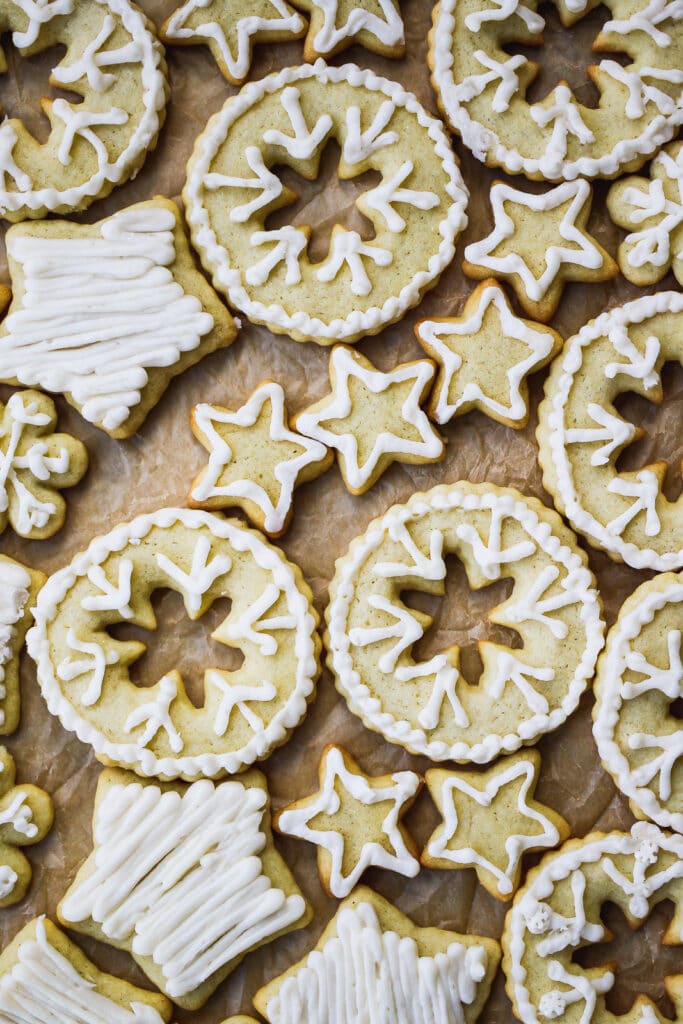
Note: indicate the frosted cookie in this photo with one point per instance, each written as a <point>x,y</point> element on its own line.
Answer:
<point>652,212</point>
<point>417,209</point>
<point>581,433</point>
<point>335,24</point>
<point>185,878</point>
<point>482,90</point>
<point>114,61</point>
<point>255,460</point>
<point>539,243</point>
<point>230,28</point>
<point>19,588</point>
<point>35,464</point>
<point>639,679</point>
<point>355,821</point>
<point>45,977</point>
<point>484,357</point>
<point>84,672</point>
<point>108,313</point>
<point>372,419</point>
<point>373,963</point>
<point>490,820</point>
<point>427,706</point>
<point>26,817</point>
<point>558,911</point>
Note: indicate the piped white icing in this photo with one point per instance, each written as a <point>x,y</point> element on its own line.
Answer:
<point>14,583</point>
<point>387,28</point>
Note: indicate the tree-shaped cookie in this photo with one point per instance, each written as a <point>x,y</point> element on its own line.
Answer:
<point>539,242</point>
<point>484,357</point>
<point>35,463</point>
<point>26,817</point>
<point>652,212</point>
<point>355,821</point>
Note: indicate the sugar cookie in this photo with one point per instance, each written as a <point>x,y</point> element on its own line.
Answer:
<point>255,460</point>
<point>581,433</point>
<point>230,28</point>
<point>652,211</point>
<point>26,816</point>
<point>427,706</point>
<point>490,820</point>
<point>558,910</point>
<point>114,61</point>
<point>484,357</point>
<point>185,878</point>
<point>372,962</point>
<point>417,210</point>
<point>482,89</point>
<point>640,676</point>
<point>540,244</point>
<point>19,588</point>
<point>372,419</point>
<point>44,977</point>
<point>35,464</point>
<point>355,821</point>
<point>84,672</point>
<point>108,313</point>
<point>335,24</point>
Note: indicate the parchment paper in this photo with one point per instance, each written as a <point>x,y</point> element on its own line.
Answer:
<point>154,469</point>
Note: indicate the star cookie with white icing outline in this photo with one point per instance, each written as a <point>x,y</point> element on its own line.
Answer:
<point>335,24</point>
<point>490,820</point>
<point>26,816</point>
<point>255,460</point>
<point>355,821</point>
<point>541,245</point>
<point>372,418</point>
<point>484,357</point>
<point>230,29</point>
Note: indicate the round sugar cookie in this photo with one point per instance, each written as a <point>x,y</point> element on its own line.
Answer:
<point>581,432</point>
<point>114,61</point>
<point>558,911</point>
<point>84,671</point>
<point>639,679</point>
<point>427,706</point>
<point>417,209</point>
<point>482,90</point>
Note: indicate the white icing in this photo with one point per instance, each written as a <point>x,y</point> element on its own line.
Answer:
<point>364,972</point>
<point>217,758</point>
<point>8,880</point>
<point>390,440</point>
<point>388,28</point>
<point>114,596</point>
<point>238,695</point>
<point>347,249</point>
<point>426,567</point>
<point>639,363</point>
<point>201,576</point>
<point>156,716</point>
<point>533,606</point>
<point>14,594</point>
<point>251,625</point>
<point>581,251</point>
<point>19,816</point>
<point>504,73</point>
<point>179,878</point>
<point>290,243</point>
<point>383,198</point>
<point>641,887</point>
<point>560,931</point>
<point>296,821</point>
<point>553,1003</point>
<point>143,52</point>
<point>445,843</point>
<point>648,21</point>
<point>97,312</point>
<point>614,431</point>
<point>501,11</point>
<point>490,554</point>
<point>267,184</point>
<point>639,92</point>
<point>305,142</point>
<point>565,117</point>
<point>43,987</point>
<point>652,244</point>
<point>452,505</point>
<point>358,143</point>
<point>245,29</point>
<point>286,472</point>
<point>539,342</point>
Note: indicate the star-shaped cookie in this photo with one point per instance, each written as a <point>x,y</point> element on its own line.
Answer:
<point>538,242</point>
<point>484,357</point>
<point>255,460</point>
<point>231,27</point>
<point>372,418</point>
<point>355,821</point>
<point>490,820</point>
<point>335,24</point>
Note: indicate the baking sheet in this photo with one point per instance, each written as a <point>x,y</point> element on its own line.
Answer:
<point>154,469</point>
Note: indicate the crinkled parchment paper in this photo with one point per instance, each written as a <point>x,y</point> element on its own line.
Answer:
<point>154,469</point>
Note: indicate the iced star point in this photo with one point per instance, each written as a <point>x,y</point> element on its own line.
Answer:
<point>375,24</point>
